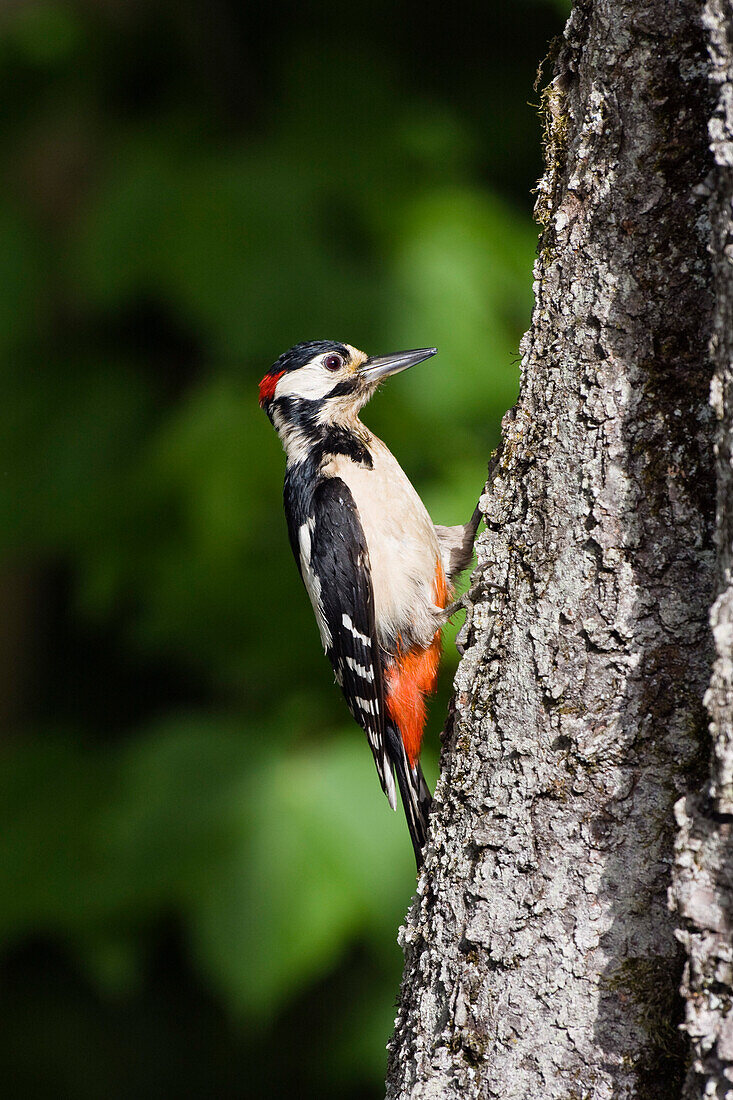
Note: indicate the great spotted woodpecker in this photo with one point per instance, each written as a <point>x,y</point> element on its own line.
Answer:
<point>376,568</point>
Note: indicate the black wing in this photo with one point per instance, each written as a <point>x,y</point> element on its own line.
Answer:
<point>334,564</point>
<point>331,552</point>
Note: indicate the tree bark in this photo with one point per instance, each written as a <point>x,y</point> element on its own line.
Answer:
<point>541,959</point>
<point>703,886</point>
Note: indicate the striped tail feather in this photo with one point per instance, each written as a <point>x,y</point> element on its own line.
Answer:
<point>416,798</point>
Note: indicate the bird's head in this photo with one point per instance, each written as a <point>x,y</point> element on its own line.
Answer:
<point>322,383</point>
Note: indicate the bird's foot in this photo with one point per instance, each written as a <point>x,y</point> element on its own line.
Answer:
<point>467,602</point>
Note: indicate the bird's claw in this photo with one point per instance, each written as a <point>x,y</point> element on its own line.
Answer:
<point>467,602</point>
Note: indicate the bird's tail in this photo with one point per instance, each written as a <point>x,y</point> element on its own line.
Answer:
<point>416,798</point>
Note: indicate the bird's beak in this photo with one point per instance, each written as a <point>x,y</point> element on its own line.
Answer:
<point>381,366</point>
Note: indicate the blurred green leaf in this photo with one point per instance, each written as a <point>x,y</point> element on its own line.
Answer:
<point>275,863</point>
<point>64,450</point>
<point>465,266</point>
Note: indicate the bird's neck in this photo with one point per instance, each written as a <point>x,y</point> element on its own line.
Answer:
<point>308,438</point>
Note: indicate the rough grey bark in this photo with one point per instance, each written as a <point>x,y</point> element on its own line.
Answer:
<point>703,888</point>
<point>541,959</point>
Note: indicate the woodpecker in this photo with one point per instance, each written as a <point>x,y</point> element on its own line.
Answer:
<point>377,570</point>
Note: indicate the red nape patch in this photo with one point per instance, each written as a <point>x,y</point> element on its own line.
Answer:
<point>267,387</point>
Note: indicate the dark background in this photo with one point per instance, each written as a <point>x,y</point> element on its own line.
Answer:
<point>200,880</point>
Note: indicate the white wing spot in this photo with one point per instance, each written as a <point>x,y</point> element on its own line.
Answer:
<point>360,670</point>
<point>346,619</point>
<point>304,540</point>
<point>311,581</point>
<point>389,781</point>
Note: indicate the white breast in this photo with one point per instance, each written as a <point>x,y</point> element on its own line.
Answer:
<point>403,546</point>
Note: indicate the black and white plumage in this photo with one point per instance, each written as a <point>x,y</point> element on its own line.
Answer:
<point>375,567</point>
<point>331,552</point>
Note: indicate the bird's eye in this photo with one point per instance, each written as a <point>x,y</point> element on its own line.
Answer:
<point>333,362</point>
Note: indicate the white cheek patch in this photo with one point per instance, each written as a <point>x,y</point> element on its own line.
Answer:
<point>312,382</point>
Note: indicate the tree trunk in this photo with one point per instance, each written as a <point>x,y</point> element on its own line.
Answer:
<point>541,959</point>
<point>703,888</point>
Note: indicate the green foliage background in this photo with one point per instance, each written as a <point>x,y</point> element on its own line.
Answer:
<point>200,880</point>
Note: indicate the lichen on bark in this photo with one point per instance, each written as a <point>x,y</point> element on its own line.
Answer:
<point>577,716</point>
